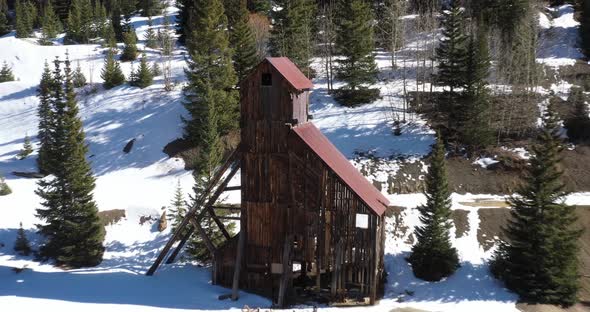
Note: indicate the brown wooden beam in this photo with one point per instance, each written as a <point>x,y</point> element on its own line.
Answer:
<point>204,236</point>
<point>287,270</point>
<point>183,241</point>
<point>233,188</point>
<point>181,227</point>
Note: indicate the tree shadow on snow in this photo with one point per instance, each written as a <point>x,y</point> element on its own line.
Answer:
<point>471,282</point>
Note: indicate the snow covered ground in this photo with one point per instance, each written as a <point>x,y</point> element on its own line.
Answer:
<point>143,181</point>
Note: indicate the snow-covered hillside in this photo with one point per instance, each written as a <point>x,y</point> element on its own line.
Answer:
<point>143,181</point>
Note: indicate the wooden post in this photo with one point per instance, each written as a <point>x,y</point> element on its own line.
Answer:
<point>336,268</point>
<point>287,270</point>
<point>238,263</point>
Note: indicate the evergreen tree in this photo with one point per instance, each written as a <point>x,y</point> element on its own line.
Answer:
<point>184,28</point>
<point>211,77</point>
<point>585,26</point>
<point>22,245</point>
<point>242,39</point>
<point>472,114</point>
<point>150,7</point>
<point>116,23</point>
<point>27,148</point>
<point>4,188</point>
<point>451,53</point>
<point>293,32</point>
<point>111,72</point>
<point>73,232</point>
<point>354,40</point>
<point>23,23</point>
<point>433,256</point>
<point>78,78</point>
<point>178,208</point>
<point>80,22</point>
<point>3,6</point>
<point>578,123</point>
<point>165,38</point>
<point>109,37</point>
<point>130,48</point>
<point>151,40</point>
<point>4,22</point>
<point>259,6</point>
<point>50,24</point>
<point>100,20</point>
<point>6,73</point>
<point>156,71</point>
<point>45,115</point>
<point>143,75</point>
<point>539,259</point>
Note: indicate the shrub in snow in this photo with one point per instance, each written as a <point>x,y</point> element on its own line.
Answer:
<point>130,49</point>
<point>22,245</point>
<point>4,188</point>
<point>111,72</point>
<point>6,73</point>
<point>144,75</point>
<point>433,256</point>
<point>78,78</point>
<point>27,148</point>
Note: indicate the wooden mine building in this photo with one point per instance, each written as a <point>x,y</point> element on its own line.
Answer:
<point>311,226</point>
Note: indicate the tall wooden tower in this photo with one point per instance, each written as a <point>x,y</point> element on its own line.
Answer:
<point>310,223</point>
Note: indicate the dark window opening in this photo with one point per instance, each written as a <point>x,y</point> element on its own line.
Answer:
<point>266,79</point>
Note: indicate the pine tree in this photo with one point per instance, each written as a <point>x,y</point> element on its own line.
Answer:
<point>45,115</point>
<point>143,75</point>
<point>184,28</point>
<point>4,188</point>
<point>27,148</point>
<point>156,71</point>
<point>4,23</point>
<point>78,78</point>
<point>80,22</point>
<point>109,37</point>
<point>211,77</point>
<point>578,123</point>
<point>130,49</point>
<point>23,23</point>
<point>150,7</point>
<point>293,32</point>
<point>539,259</point>
<point>472,114</point>
<point>73,232</point>
<point>178,208</point>
<point>451,53</point>
<point>433,256</point>
<point>100,21</point>
<point>151,41</point>
<point>22,245</point>
<point>50,24</point>
<point>242,39</point>
<point>355,43</point>
<point>111,72</point>
<point>585,27</point>
<point>116,23</point>
<point>6,73</point>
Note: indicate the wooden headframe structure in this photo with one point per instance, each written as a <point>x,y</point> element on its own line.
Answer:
<point>310,224</point>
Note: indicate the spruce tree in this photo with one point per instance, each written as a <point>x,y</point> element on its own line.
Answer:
<point>6,73</point>
<point>45,116</point>
<point>539,259</point>
<point>109,37</point>
<point>473,112</point>
<point>111,72</point>
<point>293,32</point>
<point>4,23</point>
<point>150,7</point>
<point>130,48</point>
<point>23,22</point>
<point>433,256</point>
<point>156,70</point>
<point>585,27</point>
<point>210,74</point>
<point>354,41</point>
<point>22,245</point>
<point>178,208</point>
<point>184,27</point>
<point>78,78</point>
<point>100,20</point>
<point>73,232</point>
<point>578,123</point>
<point>151,40</point>
<point>116,23</point>
<point>144,74</point>
<point>50,24</point>
<point>451,53</point>
<point>80,22</point>
<point>4,188</point>
<point>27,148</point>
<point>242,39</point>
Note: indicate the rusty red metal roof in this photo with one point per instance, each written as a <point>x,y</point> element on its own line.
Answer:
<point>290,72</point>
<point>320,144</point>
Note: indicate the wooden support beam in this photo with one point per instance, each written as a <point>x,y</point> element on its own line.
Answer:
<point>204,236</point>
<point>227,207</point>
<point>229,218</point>
<point>210,203</point>
<point>183,241</point>
<point>231,161</point>
<point>287,271</point>
<point>238,263</point>
<point>233,188</point>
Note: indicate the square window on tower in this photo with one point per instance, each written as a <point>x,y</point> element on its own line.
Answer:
<point>266,79</point>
